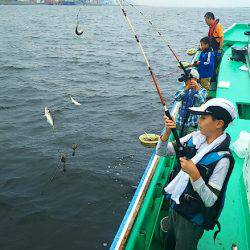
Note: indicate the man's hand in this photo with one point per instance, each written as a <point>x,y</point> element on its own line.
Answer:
<point>194,85</point>
<point>196,63</point>
<point>169,125</point>
<point>190,168</point>
<point>187,85</point>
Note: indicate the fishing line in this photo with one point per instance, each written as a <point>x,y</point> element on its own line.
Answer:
<point>57,168</point>
<point>61,163</point>
<point>61,156</point>
<point>161,36</point>
<point>167,74</point>
<point>59,151</point>
<point>167,113</point>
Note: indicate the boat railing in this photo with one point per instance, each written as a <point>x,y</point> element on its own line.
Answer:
<point>248,54</point>
<point>246,175</point>
<point>134,207</point>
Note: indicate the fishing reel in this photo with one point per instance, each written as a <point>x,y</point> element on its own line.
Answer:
<point>183,78</point>
<point>186,76</point>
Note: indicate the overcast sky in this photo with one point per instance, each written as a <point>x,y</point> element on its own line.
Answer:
<point>197,3</point>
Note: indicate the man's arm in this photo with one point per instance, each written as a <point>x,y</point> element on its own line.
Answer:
<point>164,148</point>
<point>179,95</point>
<point>220,34</point>
<point>221,40</point>
<point>209,193</point>
<point>201,97</point>
<point>207,62</point>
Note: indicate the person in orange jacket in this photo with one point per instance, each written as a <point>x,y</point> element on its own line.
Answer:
<point>216,37</point>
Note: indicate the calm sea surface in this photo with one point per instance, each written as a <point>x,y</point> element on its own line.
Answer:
<point>42,62</point>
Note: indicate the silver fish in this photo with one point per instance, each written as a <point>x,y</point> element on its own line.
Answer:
<point>49,117</point>
<point>74,101</point>
<point>78,31</point>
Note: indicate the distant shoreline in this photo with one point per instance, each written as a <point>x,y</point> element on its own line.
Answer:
<point>24,3</point>
<point>80,4</point>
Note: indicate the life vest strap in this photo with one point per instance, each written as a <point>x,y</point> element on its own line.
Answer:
<point>216,232</point>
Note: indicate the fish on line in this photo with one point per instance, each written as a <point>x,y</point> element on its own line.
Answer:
<point>48,115</point>
<point>74,147</point>
<point>78,31</point>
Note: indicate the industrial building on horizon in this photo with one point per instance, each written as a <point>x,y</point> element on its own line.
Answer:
<point>61,2</point>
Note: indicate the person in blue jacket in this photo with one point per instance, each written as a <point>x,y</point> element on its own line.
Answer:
<point>192,95</point>
<point>205,65</point>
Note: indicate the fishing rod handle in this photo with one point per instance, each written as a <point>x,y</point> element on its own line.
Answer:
<point>183,68</point>
<point>180,152</point>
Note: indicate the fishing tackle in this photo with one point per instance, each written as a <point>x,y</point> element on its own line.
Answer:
<point>167,113</point>
<point>74,147</point>
<point>63,159</point>
<point>78,31</point>
<point>50,120</point>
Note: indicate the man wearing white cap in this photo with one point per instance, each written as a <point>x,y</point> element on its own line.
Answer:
<point>193,95</point>
<point>197,185</point>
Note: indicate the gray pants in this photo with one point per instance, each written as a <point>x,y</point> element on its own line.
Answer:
<point>182,234</point>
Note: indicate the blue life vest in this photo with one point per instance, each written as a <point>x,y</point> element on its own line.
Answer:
<point>191,205</point>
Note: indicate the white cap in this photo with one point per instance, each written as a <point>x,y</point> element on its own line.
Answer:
<point>195,73</point>
<point>219,108</point>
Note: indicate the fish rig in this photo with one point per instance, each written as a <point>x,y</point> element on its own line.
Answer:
<point>61,165</point>
<point>78,30</point>
<point>62,157</point>
<point>181,64</point>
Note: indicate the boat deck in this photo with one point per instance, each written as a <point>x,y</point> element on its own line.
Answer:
<point>232,35</point>
<point>235,217</point>
<point>234,220</point>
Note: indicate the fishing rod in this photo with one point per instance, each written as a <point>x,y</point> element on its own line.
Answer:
<point>186,117</point>
<point>162,38</point>
<point>167,113</point>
